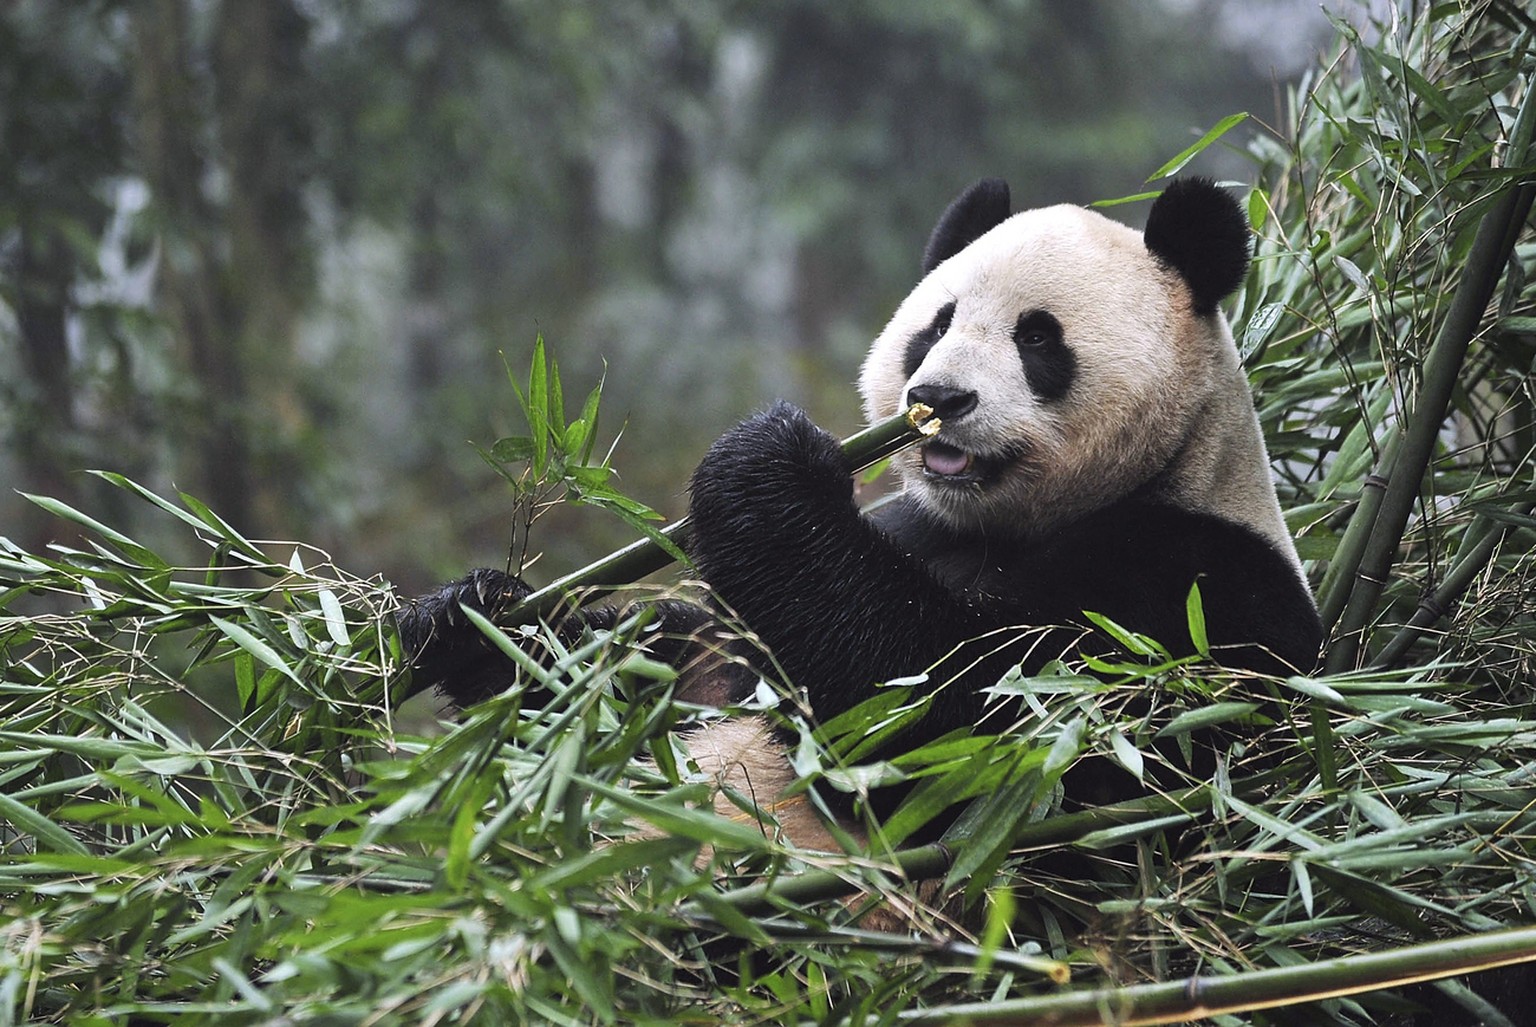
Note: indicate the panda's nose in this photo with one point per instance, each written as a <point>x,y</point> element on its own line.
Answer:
<point>948,404</point>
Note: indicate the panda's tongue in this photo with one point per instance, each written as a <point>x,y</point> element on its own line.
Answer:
<point>945,459</point>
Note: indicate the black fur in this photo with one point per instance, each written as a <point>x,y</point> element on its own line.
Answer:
<point>922,342</point>
<point>453,655</point>
<point>845,601</point>
<point>448,650</point>
<point>980,208</point>
<point>1200,231</point>
<point>1048,361</point>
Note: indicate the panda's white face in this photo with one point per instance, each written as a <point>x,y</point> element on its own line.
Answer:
<point>1066,361</point>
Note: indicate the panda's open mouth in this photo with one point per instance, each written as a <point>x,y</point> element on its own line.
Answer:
<point>952,465</point>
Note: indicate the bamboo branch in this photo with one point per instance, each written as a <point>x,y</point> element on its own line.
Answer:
<point>1436,605</point>
<point>645,556</point>
<point>929,946</point>
<point>1203,997</point>
<point>1485,265</point>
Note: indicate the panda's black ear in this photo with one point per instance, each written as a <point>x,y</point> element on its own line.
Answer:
<point>981,207</point>
<point>1200,231</point>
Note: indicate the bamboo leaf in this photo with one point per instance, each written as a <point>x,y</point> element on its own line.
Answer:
<point>1207,716</point>
<point>335,617</point>
<point>1303,884</point>
<point>1283,831</point>
<point>1127,754</point>
<point>1113,837</point>
<point>1065,749</point>
<point>1194,612</point>
<point>538,408</point>
<point>1258,209</point>
<point>256,647</point>
<point>48,834</point>
<point>1189,153</point>
<point>1132,641</point>
<point>998,821</point>
<point>699,825</point>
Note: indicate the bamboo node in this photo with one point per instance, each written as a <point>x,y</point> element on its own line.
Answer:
<point>1433,606</point>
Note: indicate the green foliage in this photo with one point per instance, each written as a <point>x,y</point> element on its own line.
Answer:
<point>556,456</point>
<point>210,813</point>
<point>1400,154</point>
<point>553,856</point>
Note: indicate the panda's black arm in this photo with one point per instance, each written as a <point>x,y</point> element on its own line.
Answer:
<point>449,652</point>
<point>446,650</point>
<point>840,606</point>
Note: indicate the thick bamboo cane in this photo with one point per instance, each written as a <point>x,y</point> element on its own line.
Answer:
<point>1198,998</point>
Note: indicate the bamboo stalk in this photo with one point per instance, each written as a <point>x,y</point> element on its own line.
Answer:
<point>1485,265</point>
<point>1201,997</point>
<point>645,556</point>
<point>927,946</point>
<point>1333,592</point>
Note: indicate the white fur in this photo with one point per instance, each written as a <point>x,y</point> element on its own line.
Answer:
<point>1150,374</point>
<point>742,754</point>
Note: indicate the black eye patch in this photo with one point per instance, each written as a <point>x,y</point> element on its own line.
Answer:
<point>1048,361</point>
<point>922,342</point>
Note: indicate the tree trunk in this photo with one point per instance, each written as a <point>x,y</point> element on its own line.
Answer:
<point>198,308</point>
<point>45,422</point>
<point>234,272</point>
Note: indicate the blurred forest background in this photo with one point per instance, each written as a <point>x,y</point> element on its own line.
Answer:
<point>268,253</point>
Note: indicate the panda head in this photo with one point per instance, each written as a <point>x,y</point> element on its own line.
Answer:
<point>1072,360</point>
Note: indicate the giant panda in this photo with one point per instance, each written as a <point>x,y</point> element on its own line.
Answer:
<point>1099,451</point>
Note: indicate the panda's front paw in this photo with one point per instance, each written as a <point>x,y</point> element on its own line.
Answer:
<point>772,460</point>
<point>773,481</point>
<point>444,647</point>
<point>484,590</point>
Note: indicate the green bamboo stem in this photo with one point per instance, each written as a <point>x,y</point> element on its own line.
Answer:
<point>921,863</point>
<point>1198,997</point>
<point>1333,592</point>
<point>1456,581</point>
<point>1491,247</point>
<point>645,556</point>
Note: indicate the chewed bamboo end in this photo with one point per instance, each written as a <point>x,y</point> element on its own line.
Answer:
<point>920,417</point>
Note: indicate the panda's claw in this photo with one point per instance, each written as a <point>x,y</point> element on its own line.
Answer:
<point>445,649</point>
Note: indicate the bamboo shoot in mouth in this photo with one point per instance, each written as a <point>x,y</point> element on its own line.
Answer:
<point>645,556</point>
